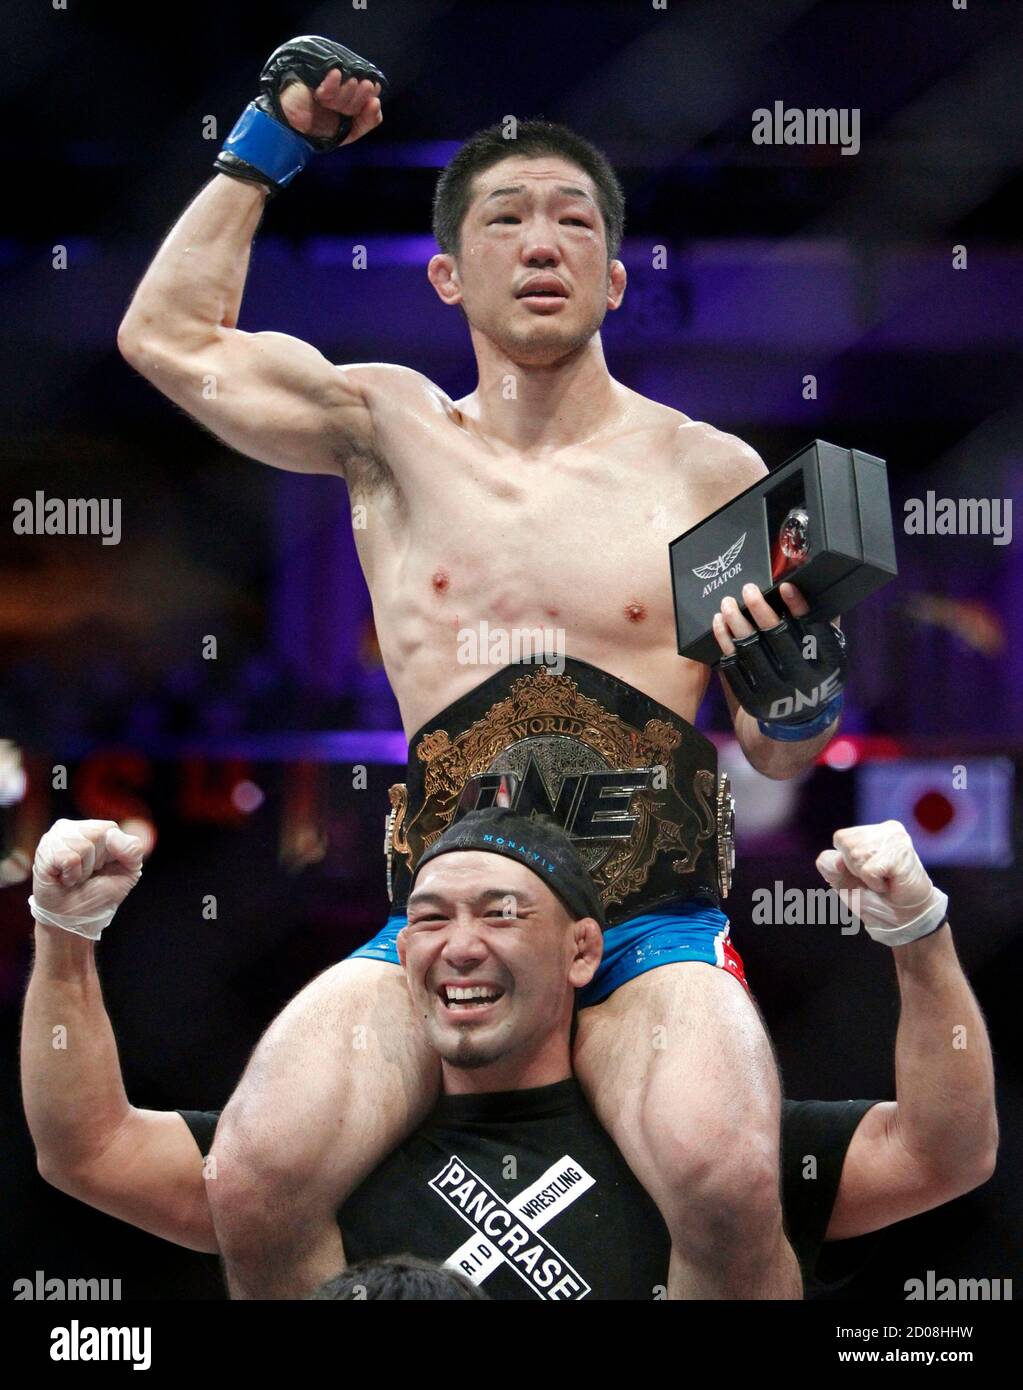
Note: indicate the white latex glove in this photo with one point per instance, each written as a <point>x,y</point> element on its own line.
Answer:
<point>83,871</point>
<point>895,900</point>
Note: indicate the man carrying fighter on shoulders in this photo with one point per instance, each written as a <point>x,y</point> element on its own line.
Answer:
<point>511,1180</point>
<point>552,502</point>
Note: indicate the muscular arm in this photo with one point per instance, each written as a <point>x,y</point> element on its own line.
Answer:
<point>270,396</point>
<point>939,1136</point>
<point>141,1166</point>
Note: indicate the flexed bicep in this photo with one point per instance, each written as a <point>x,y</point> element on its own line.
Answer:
<point>272,397</point>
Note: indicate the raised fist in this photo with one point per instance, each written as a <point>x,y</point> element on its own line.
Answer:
<point>322,89</point>
<point>893,894</point>
<point>84,868</point>
<point>314,96</point>
<point>317,113</point>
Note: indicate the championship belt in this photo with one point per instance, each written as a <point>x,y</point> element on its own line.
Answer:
<point>634,785</point>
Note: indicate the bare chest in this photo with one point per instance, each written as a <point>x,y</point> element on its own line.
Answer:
<point>576,539</point>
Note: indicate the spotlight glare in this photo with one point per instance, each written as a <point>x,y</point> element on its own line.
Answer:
<point>16,868</point>
<point>143,830</point>
<point>247,797</point>
<point>13,781</point>
<point>841,754</point>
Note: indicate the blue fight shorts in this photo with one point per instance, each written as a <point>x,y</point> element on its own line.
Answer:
<point>678,931</point>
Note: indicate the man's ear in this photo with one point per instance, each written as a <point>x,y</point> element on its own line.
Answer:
<point>617,279</point>
<point>399,943</point>
<point>589,948</point>
<point>442,273</point>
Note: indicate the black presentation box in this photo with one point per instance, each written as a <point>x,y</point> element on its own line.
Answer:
<point>821,520</point>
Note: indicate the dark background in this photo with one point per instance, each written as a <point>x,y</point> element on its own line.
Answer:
<point>783,261</point>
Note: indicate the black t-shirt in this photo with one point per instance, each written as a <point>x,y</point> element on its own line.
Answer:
<point>527,1194</point>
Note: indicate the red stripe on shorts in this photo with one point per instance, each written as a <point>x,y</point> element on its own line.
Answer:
<point>733,963</point>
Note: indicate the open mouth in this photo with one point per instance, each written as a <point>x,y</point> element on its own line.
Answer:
<point>469,998</point>
<point>543,287</point>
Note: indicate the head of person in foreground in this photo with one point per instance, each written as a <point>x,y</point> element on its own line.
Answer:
<point>504,926</point>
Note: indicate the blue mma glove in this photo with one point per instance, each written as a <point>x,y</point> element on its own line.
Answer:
<point>263,147</point>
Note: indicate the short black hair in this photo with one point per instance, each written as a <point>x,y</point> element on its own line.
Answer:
<point>398,1277</point>
<point>488,147</point>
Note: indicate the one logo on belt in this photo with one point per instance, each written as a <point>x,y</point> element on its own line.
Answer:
<point>508,1233</point>
<point>721,570</point>
<point>588,805</point>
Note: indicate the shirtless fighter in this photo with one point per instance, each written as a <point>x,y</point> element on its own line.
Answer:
<point>546,496</point>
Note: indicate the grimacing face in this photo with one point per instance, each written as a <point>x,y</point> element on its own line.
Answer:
<point>480,924</point>
<point>532,273</point>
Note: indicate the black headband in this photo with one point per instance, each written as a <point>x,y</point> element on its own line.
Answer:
<point>541,845</point>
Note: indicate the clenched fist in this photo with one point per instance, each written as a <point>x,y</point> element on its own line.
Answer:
<point>318,112</point>
<point>895,900</point>
<point>83,871</point>
<point>315,95</point>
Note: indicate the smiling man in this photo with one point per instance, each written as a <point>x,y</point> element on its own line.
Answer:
<point>495,1003</point>
<point>548,495</point>
<point>511,1180</point>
